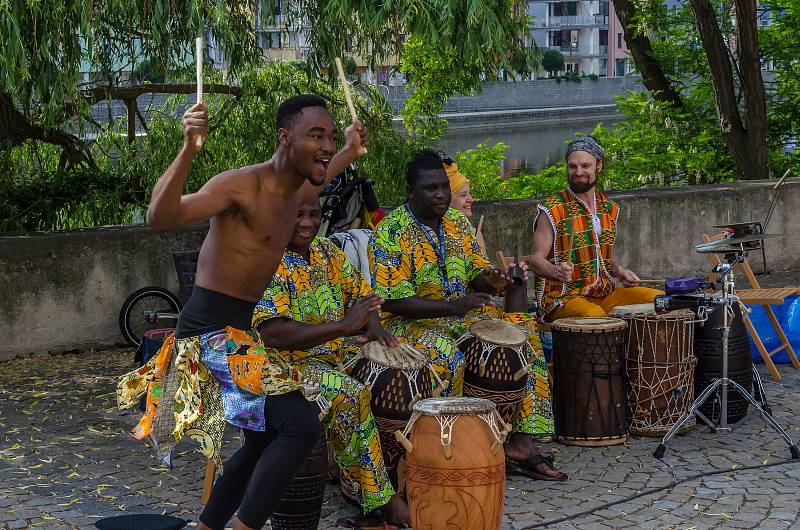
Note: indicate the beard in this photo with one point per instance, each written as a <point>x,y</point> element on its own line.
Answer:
<point>582,187</point>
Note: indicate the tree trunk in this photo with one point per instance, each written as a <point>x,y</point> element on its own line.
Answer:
<point>653,76</point>
<point>747,145</point>
<point>15,129</point>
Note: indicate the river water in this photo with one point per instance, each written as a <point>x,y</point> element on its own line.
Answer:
<point>531,148</point>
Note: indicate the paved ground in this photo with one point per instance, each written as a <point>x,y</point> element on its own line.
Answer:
<point>66,460</point>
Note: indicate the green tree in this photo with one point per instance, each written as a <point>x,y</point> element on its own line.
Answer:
<point>45,42</point>
<point>553,61</point>
<point>724,56</point>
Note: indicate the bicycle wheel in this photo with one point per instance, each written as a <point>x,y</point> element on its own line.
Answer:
<point>147,308</point>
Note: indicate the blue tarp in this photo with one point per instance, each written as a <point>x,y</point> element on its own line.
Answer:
<point>788,315</point>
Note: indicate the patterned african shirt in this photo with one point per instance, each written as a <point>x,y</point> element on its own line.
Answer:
<point>577,239</point>
<point>408,258</point>
<point>314,293</point>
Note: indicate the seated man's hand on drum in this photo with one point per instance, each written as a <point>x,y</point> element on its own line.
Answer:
<point>462,306</point>
<point>496,278</point>
<point>626,276</point>
<point>522,265</point>
<point>356,318</point>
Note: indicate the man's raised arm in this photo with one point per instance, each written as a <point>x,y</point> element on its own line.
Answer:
<point>169,208</point>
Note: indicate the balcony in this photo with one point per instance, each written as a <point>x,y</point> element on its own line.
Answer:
<point>566,22</point>
<point>582,51</point>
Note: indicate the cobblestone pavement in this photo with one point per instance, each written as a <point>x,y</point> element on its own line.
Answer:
<point>66,459</point>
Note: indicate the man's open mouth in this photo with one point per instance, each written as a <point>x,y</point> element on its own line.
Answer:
<point>322,162</point>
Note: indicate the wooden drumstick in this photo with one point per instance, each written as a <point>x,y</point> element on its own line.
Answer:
<point>347,96</point>
<point>780,182</point>
<point>198,60</point>
<point>480,225</point>
<point>405,442</point>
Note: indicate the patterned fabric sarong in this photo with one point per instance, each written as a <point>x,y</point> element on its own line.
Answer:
<point>353,433</point>
<point>195,384</point>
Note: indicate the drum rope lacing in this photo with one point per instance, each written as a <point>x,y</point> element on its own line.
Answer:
<point>675,389</point>
<point>447,421</point>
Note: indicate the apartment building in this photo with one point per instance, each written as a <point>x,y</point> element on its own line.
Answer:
<point>586,32</point>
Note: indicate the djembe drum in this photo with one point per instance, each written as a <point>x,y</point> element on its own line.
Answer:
<point>660,362</point>
<point>456,465</point>
<point>590,403</point>
<point>301,504</point>
<point>397,377</point>
<point>495,364</point>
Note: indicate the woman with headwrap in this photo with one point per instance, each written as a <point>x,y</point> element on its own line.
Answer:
<point>460,197</point>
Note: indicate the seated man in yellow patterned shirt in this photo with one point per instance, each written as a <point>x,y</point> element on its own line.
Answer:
<point>315,305</point>
<point>426,263</point>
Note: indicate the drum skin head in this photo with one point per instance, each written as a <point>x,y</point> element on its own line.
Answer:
<point>498,332</point>
<point>589,324</point>
<point>633,308</point>
<point>404,357</point>
<point>454,406</point>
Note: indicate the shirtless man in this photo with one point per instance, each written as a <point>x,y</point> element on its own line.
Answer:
<point>218,370</point>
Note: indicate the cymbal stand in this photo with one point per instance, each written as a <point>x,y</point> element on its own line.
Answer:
<point>728,300</point>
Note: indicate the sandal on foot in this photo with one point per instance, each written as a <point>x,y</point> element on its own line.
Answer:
<point>526,468</point>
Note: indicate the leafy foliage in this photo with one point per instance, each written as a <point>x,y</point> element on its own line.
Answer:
<point>435,78</point>
<point>41,196</point>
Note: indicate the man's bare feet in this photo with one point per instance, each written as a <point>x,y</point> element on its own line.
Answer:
<point>397,512</point>
<point>522,450</point>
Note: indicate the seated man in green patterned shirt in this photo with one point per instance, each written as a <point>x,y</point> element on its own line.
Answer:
<point>311,312</point>
<point>426,263</point>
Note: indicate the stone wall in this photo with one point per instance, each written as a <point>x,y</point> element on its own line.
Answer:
<point>542,93</point>
<point>659,227</point>
<point>63,290</point>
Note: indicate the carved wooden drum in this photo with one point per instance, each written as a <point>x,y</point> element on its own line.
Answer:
<point>397,377</point>
<point>456,464</point>
<point>495,354</point>
<point>660,362</point>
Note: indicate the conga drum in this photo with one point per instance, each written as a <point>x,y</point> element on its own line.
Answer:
<point>495,364</point>
<point>456,465</point>
<point>397,377</point>
<point>659,361</point>
<point>590,403</point>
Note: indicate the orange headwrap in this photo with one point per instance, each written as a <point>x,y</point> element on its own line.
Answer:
<point>457,179</point>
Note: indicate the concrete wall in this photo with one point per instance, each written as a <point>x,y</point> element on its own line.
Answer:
<point>659,227</point>
<point>533,94</point>
<point>63,290</point>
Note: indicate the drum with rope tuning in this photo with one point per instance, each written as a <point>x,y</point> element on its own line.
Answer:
<point>496,367</point>
<point>398,377</point>
<point>659,362</point>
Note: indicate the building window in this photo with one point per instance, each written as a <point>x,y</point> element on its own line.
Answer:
<point>619,40</point>
<point>619,69</point>
<point>571,9</point>
<point>603,37</point>
<point>555,39</point>
<point>604,8</point>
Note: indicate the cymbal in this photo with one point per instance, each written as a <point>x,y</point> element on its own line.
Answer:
<point>737,239</point>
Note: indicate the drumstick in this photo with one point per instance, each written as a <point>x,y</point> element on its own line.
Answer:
<point>480,224</point>
<point>198,60</point>
<point>347,97</point>
<point>780,182</point>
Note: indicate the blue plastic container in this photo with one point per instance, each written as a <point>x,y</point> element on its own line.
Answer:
<point>788,315</point>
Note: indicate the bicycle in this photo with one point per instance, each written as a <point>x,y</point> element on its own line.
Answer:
<point>153,306</point>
